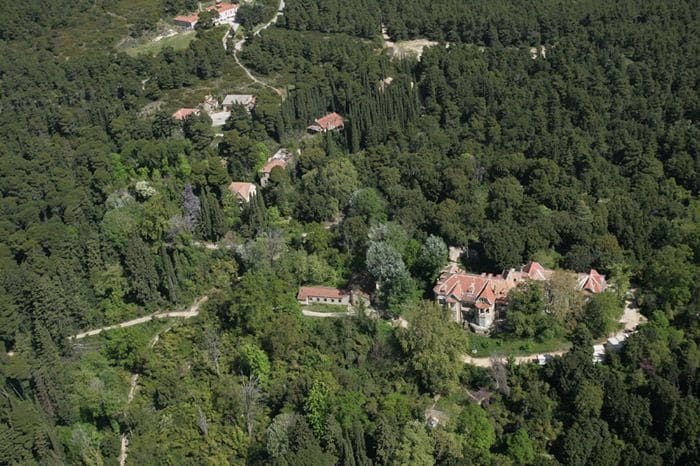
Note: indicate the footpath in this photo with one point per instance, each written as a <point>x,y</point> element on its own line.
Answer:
<point>193,311</point>
<point>239,46</point>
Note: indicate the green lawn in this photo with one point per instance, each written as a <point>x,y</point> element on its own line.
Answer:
<point>178,42</point>
<point>486,346</point>
<point>319,307</point>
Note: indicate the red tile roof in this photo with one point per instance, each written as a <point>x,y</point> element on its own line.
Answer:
<point>320,292</point>
<point>244,190</point>
<point>330,121</point>
<point>221,7</point>
<point>592,282</point>
<point>267,168</point>
<point>487,293</point>
<point>457,285</point>
<point>468,287</point>
<point>182,113</point>
<point>536,272</point>
<point>193,18</point>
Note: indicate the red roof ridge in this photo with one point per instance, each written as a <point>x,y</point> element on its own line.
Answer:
<point>270,164</point>
<point>320,291</point>
<point>332,119</point>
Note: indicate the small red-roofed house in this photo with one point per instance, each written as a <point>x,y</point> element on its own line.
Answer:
<point>330,122</point>
<point>266,170</point>
<point>592,282</point>
<point>182,113</point>
<point>243,191</point>
<point>186,21</point>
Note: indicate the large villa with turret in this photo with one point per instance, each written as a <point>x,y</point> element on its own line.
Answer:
<point>479,300</point>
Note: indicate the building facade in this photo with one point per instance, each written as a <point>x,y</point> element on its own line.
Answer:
<point>480,300</point>
<point>327,295</point>
<point>227,15</point>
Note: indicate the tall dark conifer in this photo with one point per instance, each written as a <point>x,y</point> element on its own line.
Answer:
<point>141,271</point>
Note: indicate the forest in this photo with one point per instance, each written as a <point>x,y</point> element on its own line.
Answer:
<point>583,155</point>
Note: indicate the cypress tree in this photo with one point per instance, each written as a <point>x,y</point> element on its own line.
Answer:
<point>347,455</point>
<point>204,225</point>
<point>169,276</point>
<point>360,448</point>
<point>216,218</point>
<point>47,376</point>
<point>141,271</point>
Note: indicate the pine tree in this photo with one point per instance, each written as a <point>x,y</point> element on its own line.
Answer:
<point>9,319</point>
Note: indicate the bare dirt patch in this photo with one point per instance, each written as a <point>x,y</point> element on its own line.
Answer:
<point>408,48</point>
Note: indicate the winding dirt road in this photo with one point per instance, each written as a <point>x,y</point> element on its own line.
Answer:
<point>132,391</point>
<point>191,312</point>
<point>630,320</point>
<point>239,46</point>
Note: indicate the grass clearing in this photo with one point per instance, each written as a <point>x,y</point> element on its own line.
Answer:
<point>180,41</point>
<point>92,30</point>
<point>327,308</point>
<point>486,346</point>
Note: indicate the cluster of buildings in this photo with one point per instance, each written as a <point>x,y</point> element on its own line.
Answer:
<point>226,11</point>
<point>479,300</point>
<point>217,111</point>
<point>245,191</point>
<point>220,111</point>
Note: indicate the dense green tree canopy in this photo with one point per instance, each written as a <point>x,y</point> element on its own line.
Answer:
<point>561,131</point>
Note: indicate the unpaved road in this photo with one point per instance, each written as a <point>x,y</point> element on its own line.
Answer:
<point>132,391</point>
<point>191,312</point>
<point>631,319</point>
<point>239,46</point>
<point>488,362</point>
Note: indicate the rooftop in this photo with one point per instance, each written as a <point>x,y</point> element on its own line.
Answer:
<point>242,99</point>
<point>193,18</point>
<point>222,7</point>
<point>456,284</point>
<point>219,118</point>
<point>272,163</point>
<point>182,113</point>
<point>328,122</point>
<point>242,189</point>
<point>320,292</point>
